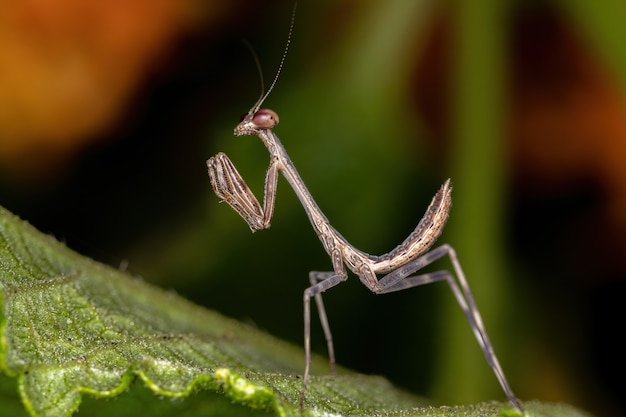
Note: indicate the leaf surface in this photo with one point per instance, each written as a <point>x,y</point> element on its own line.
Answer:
<point>71,326</point>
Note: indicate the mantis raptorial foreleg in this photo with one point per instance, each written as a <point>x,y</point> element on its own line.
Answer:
<point>231,188</point>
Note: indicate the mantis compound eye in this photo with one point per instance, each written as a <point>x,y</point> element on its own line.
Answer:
<point>265,119</point>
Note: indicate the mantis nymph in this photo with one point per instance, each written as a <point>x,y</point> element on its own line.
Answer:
<point>390,272</point>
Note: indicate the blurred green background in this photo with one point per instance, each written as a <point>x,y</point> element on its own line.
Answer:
<point>109,111</point>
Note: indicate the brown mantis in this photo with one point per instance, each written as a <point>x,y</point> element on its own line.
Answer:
<point>393,271</point>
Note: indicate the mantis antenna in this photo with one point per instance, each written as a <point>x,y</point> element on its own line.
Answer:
<point>264,94</point>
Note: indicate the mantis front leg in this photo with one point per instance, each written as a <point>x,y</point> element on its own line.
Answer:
<point>231,188</point>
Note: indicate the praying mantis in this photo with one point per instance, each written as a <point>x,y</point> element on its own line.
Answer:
<point>382,274</point>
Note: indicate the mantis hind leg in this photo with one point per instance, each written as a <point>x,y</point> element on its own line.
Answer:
<point>403,278</point>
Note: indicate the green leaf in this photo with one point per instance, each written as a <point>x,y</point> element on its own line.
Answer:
<point>71,326</point>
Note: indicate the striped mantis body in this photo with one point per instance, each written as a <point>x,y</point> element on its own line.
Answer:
<point>390,272</point>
